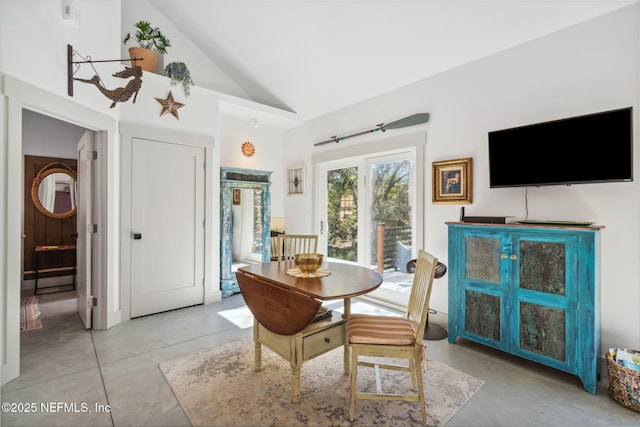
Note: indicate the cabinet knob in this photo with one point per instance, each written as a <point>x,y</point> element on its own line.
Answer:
<point>514,257</point>
<point>504,256</point>
<point>327,340</point>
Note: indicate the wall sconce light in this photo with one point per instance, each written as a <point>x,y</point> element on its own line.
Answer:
<point>248,149</point>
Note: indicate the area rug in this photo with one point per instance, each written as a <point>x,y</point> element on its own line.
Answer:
<point>219,387</point>
<point>29,314</point>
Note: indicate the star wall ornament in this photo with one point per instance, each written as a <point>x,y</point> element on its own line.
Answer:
<point>169,105</point>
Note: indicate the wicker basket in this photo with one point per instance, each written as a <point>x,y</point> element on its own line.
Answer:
<point>624,384</point>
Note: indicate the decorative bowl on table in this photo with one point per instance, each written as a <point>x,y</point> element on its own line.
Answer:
<point>308,263</point>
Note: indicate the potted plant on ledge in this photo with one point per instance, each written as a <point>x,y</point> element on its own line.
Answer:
<point>150,40</point>
<point>179,73</point>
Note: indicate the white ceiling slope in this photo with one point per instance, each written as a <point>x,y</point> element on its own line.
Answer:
<point>313,57</point>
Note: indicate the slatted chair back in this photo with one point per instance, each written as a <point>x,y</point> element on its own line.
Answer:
<point>292,244</point>
<point>418,309</point>
<point>275,253</point>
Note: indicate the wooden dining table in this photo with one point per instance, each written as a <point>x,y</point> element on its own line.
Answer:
<point>344,281</point>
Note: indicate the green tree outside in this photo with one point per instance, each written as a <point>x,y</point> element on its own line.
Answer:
<point>390,205</point>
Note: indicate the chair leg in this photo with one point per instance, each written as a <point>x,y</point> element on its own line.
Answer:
<point>416,383</point>
<point>414,379</point>
<point>354,381</point>
<point>417,373</point>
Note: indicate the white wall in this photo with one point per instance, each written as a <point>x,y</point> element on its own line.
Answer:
<point>269,145</point>
<point>45,136</point>
<point>34,38</point>
<point>204,72</point>
<point>591,67</point>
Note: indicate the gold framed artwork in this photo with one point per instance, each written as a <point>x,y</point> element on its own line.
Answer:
<point>452,181</point>
<point>236,194</point>
<point>295,181</point>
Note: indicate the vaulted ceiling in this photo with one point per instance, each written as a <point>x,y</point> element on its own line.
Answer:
<point>313,57</point>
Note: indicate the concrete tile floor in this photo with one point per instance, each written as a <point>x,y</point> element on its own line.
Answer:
<point>65,363</point>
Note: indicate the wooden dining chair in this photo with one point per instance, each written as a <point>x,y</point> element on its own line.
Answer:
<point>291,244</point>
<point>394,337</point>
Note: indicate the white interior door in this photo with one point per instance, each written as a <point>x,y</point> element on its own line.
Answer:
<point>167,224</point>
<point>84,193</point>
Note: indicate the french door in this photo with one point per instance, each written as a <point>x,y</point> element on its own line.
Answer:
<point>367,207</point>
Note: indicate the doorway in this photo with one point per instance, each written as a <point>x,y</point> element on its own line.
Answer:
<point>21,97</point>
<point>368,205</point>
<point>53,206</point>
<point>51,265</point>
<point>360,197</point>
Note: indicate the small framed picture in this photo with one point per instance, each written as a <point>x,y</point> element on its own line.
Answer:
<point>452,181</point>
<point>235,196</point>
<point>295,181</point>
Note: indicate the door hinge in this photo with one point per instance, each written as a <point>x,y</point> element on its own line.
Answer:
<point>92,302</point>
<point>94,155</point>
<point>92,228</point>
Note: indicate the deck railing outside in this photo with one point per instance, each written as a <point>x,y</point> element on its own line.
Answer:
<point>386,248</point>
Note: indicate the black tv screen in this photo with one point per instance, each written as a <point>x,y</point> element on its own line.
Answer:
<point>585,149</point>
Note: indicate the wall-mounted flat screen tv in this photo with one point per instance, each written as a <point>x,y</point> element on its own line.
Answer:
<point>586,149</point>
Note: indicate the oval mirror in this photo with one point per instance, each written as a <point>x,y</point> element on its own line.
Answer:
<point>54,192</point>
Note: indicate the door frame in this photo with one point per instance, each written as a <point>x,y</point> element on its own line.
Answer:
<point>18,96</point>
<point>387,146</point>
<point>84,216</point>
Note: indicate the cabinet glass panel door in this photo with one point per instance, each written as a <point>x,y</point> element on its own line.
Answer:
<point>545,299</point>
<point>542,330</point>
<point>483,297</point>
<point>542,266</point>
<point>482,314</point>
<point>482,261</point>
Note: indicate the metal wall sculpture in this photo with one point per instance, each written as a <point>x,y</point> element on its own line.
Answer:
<point>120,94</point>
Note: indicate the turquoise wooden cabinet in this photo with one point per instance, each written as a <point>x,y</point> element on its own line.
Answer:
<point>532,291</point>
